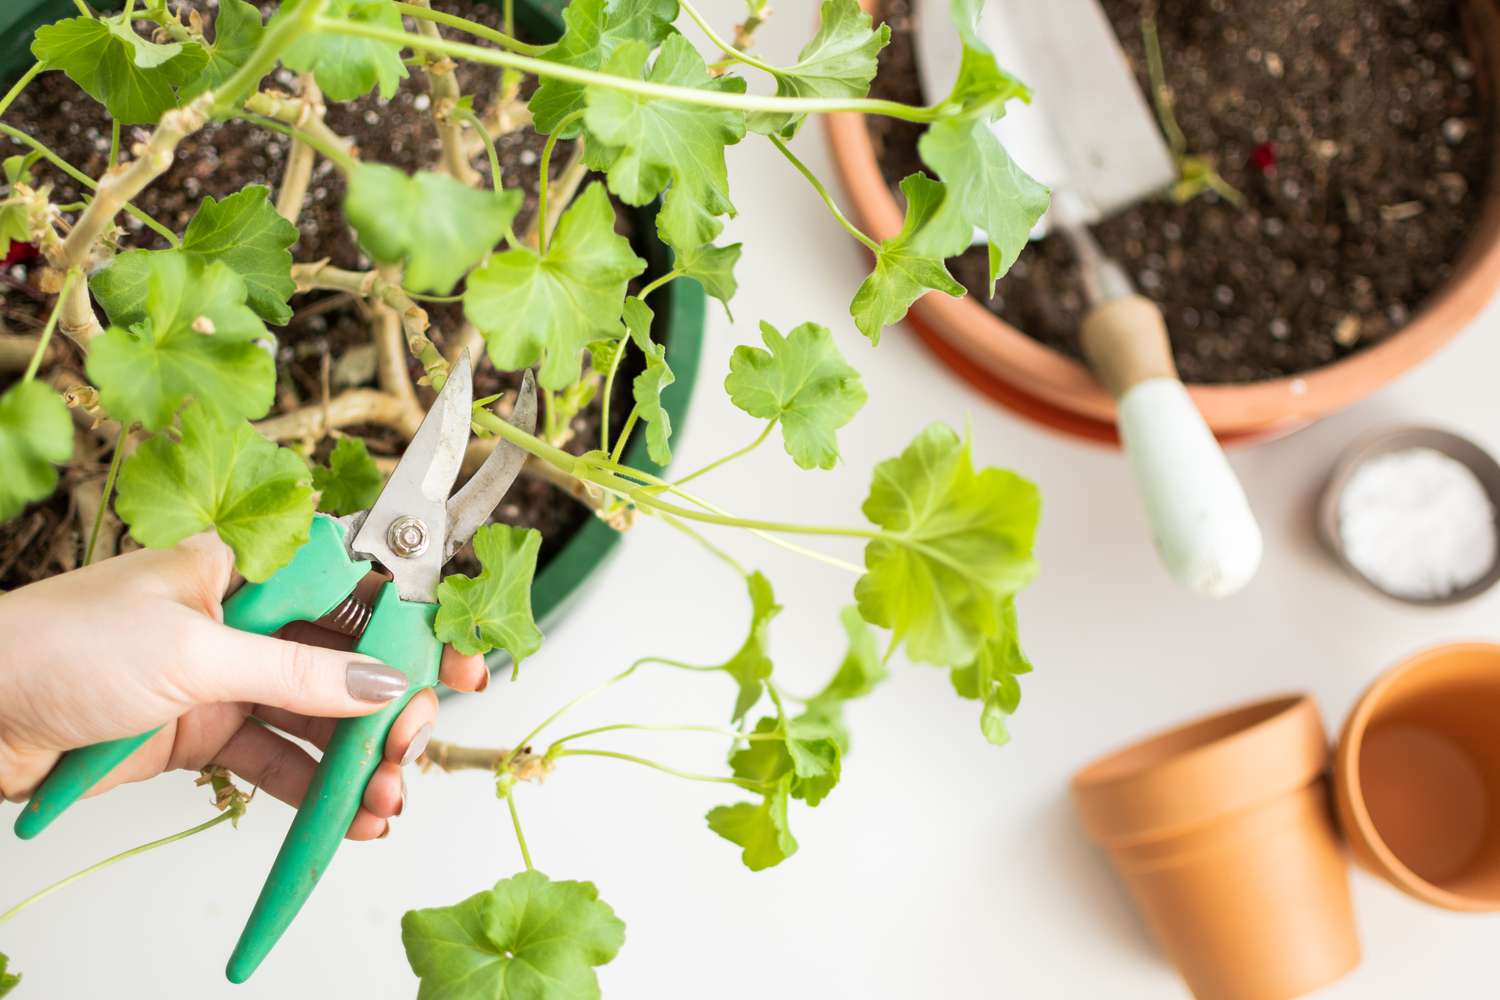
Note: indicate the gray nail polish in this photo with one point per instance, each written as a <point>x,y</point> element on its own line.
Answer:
<point>374,681</point>
<point>418,744</point>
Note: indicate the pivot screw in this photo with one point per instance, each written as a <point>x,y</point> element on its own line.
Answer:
<point>407,536</point>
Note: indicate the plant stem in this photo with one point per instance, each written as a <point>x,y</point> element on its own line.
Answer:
<point>99,866</point>
<point>614,366</point>
<point>19,85</point>
<point>109,488</point>
<point>644,88</point>
<point>319,143</point>
<point>114,143</point>
<point>515,821</point>
<point>698,537</point>
<point>723,46</point>
<point>278,36</point>
<point>648,727</point>
<point>544,172</point>
<point>84,179</point>
<point>443,86</point>
<point>506,41</point>
<point>711,466</point>
<point>812,179</point>
<point>716,779</point>
<point>46,338</point>
<point>489,149</point>
<point>296,176</point>
<point>630,422</point>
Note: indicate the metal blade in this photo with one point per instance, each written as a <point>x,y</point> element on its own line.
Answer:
<point>406,527</point>
<point>471,506</point>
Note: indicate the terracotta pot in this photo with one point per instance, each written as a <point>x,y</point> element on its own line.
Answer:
<point>1417,777</point>
<point>1062,392</point>
<point>1222,831</point>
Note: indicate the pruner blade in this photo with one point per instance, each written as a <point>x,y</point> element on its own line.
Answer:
<point>472,506</point>
<point>406,528</point>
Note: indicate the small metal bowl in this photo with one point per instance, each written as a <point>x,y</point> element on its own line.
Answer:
<point>1400,439</point>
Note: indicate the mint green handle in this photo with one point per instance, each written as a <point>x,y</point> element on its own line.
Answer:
<point>400,633</point>
<point>315,582</point>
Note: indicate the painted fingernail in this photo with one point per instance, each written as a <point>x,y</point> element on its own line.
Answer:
<point>418,744</point>
<point>374,681</point>
<point>386,832</point>
<point>484,681</point>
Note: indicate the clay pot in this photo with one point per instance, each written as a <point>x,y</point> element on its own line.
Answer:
<point>1223,833</point>
<point>1417,777</point>
<point>1058,391</point>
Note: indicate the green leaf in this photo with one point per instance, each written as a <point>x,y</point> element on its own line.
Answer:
<point>839,62</point>
<point>237,31</point>
<point>347,67</point>
<point>858,674</point>
<point>803,749</point>
<point>8,980</point>
<point>220,475</point>
<point>801,381</point>
<point>528,938</point>
<point>493,609</point>
<point>954,545</point>
<point>136,80</point>
<point>993,677</point>
<point>760,829</point>
<point>657,145</point>
<point>751,664</point>
<point>243,231</point>
<point>36,435</point>
<point>196,339</point>
<point>549,307</point>
<point>906,265</point>
<point>438,225</point>
<point>650,382</point>
<point>986,190</point>
<point>592,31</point>
<point>350,481</point>
<point>713,268</point>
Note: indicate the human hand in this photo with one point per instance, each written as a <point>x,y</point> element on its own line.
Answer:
<point>138,641</point>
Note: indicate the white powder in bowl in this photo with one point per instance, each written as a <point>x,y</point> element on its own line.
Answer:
<point>1417,523</point>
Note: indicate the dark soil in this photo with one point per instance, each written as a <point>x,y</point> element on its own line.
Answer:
<point>327,328</point>
<point>1359,132</point>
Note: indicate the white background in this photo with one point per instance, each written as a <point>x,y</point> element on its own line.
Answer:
<point>941,867</point>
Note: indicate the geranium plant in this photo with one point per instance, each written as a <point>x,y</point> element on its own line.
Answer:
<point>166,351</point>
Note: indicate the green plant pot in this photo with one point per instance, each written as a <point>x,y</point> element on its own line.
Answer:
<point>680,310</point>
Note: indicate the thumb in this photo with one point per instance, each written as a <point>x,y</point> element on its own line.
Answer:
<point>309,680</point>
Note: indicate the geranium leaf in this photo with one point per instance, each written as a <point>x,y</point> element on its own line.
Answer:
<point>136,80</point>
<point>993,677</point>
<point>36,435</point>
<point>237,31</point>
<point>955,545</point>
<point>220,475</point>
<point>592,30</point>
<point>347,67</point>
<point>802,381</point>
<point>350,481</point>
<point>840,61</point>
<point>806,751</point>
<point>533,306</point>
<point>439,226</point>
<point>657,145</point>
<point>713,268</point>
<point>906,265</point>
<point>751,664</point>
<point>528,938</point>
<point>761,830</point>
<point>8,980</point>
<point>195,339</point>
<point>493,609</point>
<point>651,381</point>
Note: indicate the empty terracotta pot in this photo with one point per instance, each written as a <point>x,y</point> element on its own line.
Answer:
<point>1056,390</point>
<point>1417,777</point>
<point>1223,833</point>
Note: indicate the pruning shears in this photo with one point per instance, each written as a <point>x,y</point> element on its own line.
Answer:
<point>413,528</point>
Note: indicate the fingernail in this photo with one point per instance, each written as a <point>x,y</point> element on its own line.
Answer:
<point>374,681</point>
<point>484,681</point>
<point>417,746</point>
<point>402,804</point>
<point>387,832</point>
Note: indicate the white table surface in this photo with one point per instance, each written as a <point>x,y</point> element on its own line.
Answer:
<point>941,867</point>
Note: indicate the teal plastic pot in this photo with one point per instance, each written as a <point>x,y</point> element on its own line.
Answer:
<point>680,311</point>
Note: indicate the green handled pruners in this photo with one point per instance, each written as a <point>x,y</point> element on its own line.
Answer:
<point>413,528</point>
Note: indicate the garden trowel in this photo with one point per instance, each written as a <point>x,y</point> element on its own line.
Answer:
<point>1090,135</point>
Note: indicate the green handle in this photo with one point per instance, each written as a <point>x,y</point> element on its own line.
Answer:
<point>315,582</point>
<point>400,633</point>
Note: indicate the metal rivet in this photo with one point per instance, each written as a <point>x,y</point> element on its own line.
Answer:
<point>407,536</point>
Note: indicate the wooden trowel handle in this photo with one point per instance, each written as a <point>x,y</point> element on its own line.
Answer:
<point>1200,519</point>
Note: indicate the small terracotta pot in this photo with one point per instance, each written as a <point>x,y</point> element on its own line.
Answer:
<point>1223,833</point>
<point>1063,394</point>
<point>1417,777</point>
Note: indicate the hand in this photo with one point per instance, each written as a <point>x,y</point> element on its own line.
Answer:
<point>138,641</point>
